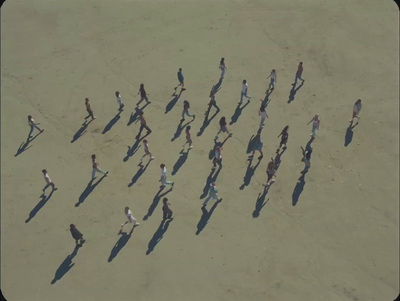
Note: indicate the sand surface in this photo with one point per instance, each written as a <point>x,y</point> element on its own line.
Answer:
<point>338,242</point>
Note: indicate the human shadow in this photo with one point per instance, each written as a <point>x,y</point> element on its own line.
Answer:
<point>206,122</point>
<point>88,190</point>
<point>293,92</point>
<point>81,131</point>
<point>65,266</point>
<point>298,189</point>
<point>250,145</point>
<point>249,174</point>
<point>112,122</point>
<point>260,202</point>
<point>180,128</point>
<point>349,134</point>
<point>134,148</point>
<point>158,235</point>
<point>120,244</point>
<point>181,160</point>
<point>155,202</point>
<point>39,205</point>
<point>139,173</point>
<point>217,86</point>
<point>134,116</point>
<point>210,179</point>
<point>205,217</point>
<point>278,159</point>
<point>238,112</point>
<point>266,100</point>
<point>172,103</point>
<point>24,145</point>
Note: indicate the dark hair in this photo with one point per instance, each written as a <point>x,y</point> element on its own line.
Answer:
<point>162,165</point>
<point>185,102</point>
<point>72,226</point>
<point>180,69</point>
<point>244,81</point>
<point>145,140</point>
<point>44,171</point>
<point>222,60</point>
<point>165,200</point>
<point>29,117</point>
<point>87,99</point>
<point>273,70</point>
<point>141,86</point>
<point>285,128</point>
<point>301,63</point>
<point>188,128</point>
<point>141,113</point>
<point>93,156</point>
<point>117,93</point>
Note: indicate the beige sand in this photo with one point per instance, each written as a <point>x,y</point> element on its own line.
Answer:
<point>340,241</point>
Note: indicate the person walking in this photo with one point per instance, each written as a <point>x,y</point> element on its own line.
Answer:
<point>143,95</point>
<point>284,138</point>
<point>96,168</point>
<point>213,194</point>
<point>78,236</point>
<point>48,181</point>
<point>217,158</point>
<point>223,128</point>
<point>222,67</point>
<point>273,80</point>
<point>212,101</point>
<point>258,145</point>
<point>299,72</point>
<point>163,178</point>
<point>119,101</point>
<point>306,159</point>
<point>356,110</point>
<point>315,125</point>
<point>271,172</point>
<point>33,125</point>
<point>89,109</point>
<point>167,212</point>
<point>130,220</point>
<point>188,137</point>
<point>146,151</point>
<point>263,116</point>
<point>181,80</point>
<point>244,91</point>
<point>143,125</point>
<point>185,111</point>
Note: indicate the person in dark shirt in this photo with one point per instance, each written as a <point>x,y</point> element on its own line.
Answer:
<point>143,125</point>
<point>284,139</point>
<point>143,95</point>
<point>299,72</point>
<point>89,109</point>
<point>167,212</point>
<point>76,235</point>
<point>181,80</point>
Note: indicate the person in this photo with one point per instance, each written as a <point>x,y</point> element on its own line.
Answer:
<point>258,144</point>
<point>181,81</point>
<point>33,125</point>
<point>212,101</point>
<point>130,220</point>
<point>89,109</point>
<point>273,80</point>
<point>306,159</point>
<point>76,235</point>
<point>188,137</point>
<point>96,168</point>
<point>119,100</point>
<point>315,125</point>
<point>284,139</point>
<point>222,67</point>
<point>271,172</point>
<point>163,178</point>
<point>356,110</point>
<point>143,125</point>
<point>49,182</point>
<point>244,91</point>
<point>185,111</point>
<point>213,194</point>
<point>263,115</point>
<point>299,72</point>
<point>146,151</point>
<point>167,212</point>
<point>217,158</point>
<point>223,128</point>
<point>143,95</point>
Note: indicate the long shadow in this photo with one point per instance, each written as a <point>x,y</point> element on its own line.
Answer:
<point>158,235</point>
<point>249,174</point>
<point>349,134</point>
<point>260,202</point>
<point>138,174</point>
<point>293,92</point>
<point>216,144</point>
<point>217,86</point>
<point>39,206</point>
<point>211,178</point>
<point>88,190</point>
<point>298,189</point>
<point>155,202</point>
<point>206,122</point>
<point>120,244</point>
<point>181,160</point>
<point>180,128</point>
<point>24,145</point>
<point>134,148</point>
<point>112,122</point>
<point>81,131</point>
<point>250,145</point>
<point>205,217</point>
<point>238,112</point>
<point>134,116</point>
<point>265,102</point>
<point>278,156</point>
<point>172,103</point>
<point>65,266</point>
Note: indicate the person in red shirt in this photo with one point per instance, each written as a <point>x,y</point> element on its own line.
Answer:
<point>143,125</point>
<point>299,72</point>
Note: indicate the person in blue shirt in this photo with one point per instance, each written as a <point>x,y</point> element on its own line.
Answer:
<point>181,81</point>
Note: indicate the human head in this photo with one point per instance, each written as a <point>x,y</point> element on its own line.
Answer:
<point>301,63</point>
<point>165,200</point>
<point>244,81</point>
<point>358,101</point>
<point>222,60</point>
<point>72,226</point>
<point>93,156</point>
<point>126,209</point>
<point>117,93</point>
<point>285,129</point>
<point>141,113</point>
<point>29,117</point>
<point>180,69</point>
<point>188,128</point>
<point>273,70</point>
<point>141,86</point>
<point>162,166</point>
<point>44,171</point>
<point>223,118</point>
<point>213,184</point>
<point>144,140</point>
<point>86,99</point>
<point>316,116</point>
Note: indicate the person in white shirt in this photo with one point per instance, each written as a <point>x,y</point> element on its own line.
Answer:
<point>213,194</point>
<point>119,100</point>
<point>130,220</point>
<point>96,168</point>
<point>272,81</point>
<point>49,182</point>
<point>356,110</point>
<point>33,126</point>
<point>163,178</point>
<point>244,91</point>
<point>263,115</point>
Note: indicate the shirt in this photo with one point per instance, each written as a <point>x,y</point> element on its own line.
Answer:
<point>263,114</point>
<point>316,122</point>
<point>187,134</point>
<point>164,173</point>
<point>244,88</point>
<point>88,107</point>
<point>300,69</point>
<point>273,75</point>
<point>357,108</point>
<point>142,120</point>
<point>47,178</point>
<point>142,92</point>
<point>180,76</point>
<point>213,190</point>
<point>218,155</point>
<point>146,147</point>
<point>31,121</point>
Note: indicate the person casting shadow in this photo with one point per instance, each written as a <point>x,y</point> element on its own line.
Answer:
<point>260,202</point>
<point>82,130</point>
<point>181,160</point>
<point>88,190</point>
<point>65,266</point>
<point>158,235</point>
<point>180,128</point>
<point>39,205</point>
<point>134,148</point>
<point>349,134</point>
<point>210,179</point>
<point>293,92</point>
<point>238,112</point>
<point>249,173</point>
<point>155,202</point>
<point>112,122</point>
<point>134,116</point>
<point>139,173</point>
<point>266,100</point>
<point>206,215</point>
<point>120,244</point>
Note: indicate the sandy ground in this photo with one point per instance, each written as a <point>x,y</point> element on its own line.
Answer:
<point>338,242</point>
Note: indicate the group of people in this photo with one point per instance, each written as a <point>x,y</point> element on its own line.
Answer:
<point>217,158</point>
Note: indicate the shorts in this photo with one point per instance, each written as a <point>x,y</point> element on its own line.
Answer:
<point>224,129</point>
